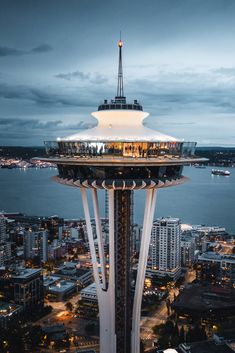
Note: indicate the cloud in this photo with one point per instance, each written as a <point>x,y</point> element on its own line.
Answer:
<point>95,78</point>
<point>35,131</point>
<point>186,90</point>
<point>36,124</point>
<point>7,51</point>
<point>44,96</point>
<point>43,48</point>
<point>73,75</point>
<point>227,71</point>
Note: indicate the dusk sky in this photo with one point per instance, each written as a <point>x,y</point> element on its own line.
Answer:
<point>58,61</point>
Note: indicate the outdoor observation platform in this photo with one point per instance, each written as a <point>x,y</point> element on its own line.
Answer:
<point>120,165</point>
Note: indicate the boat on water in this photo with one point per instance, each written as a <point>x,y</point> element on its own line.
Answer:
<point>220,172</point>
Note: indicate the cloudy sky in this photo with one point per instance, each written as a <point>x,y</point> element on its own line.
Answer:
<point>58,61</point>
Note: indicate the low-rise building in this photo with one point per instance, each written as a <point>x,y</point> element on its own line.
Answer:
<point>88,294</point>
<point>216,267</point>
<point>8,313</point>
<point>73,272</point>
<point>61,290</point>
<point>49,281</point>
<point>207,302</point>
<point>23,286</point>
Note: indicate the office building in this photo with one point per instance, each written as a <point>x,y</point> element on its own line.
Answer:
<point>5,253</point>
<point>188,248</point>
<point>23,286</point>
<point>3,232</point>
<point>36,245</point>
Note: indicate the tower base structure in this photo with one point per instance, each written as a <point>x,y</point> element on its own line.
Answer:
<point>119,311</point>
<point>119,300</point>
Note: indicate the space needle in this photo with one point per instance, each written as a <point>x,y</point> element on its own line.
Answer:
<point>119,155</point>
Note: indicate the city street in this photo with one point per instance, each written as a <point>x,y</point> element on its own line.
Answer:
<point>160,315</point>
<point>76,325</point>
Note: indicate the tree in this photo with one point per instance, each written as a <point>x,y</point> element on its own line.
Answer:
<point>182,335</point>
<point>141,346</point>
<point>196,334</point>
<point>90,328</point>
<point>176,329</point>
<point>69,306</point>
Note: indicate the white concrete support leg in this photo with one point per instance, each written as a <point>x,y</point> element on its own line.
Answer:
<point>90,238</point>
<point>99,237</point>
<point>106,296</point>
<point>144,248</point>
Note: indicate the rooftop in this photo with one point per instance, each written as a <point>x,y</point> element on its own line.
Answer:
<point>202,299</point>
<point>7,309</point>
<point>211,255</point>
<point>62,286</point>
<point>89,289</point>
<point>21,272</point>
<point>49,280</point>
<point>199,347</point>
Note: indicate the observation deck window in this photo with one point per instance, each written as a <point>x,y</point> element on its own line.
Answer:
<point>113,149</point>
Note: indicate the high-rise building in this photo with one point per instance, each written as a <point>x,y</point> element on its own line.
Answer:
<point>36,244</point>
<point>5,246</point>
<point>3,232</point>
<point>188,247</point>
<point>119,155</point>
<point>52,225</point>
<point>165,247</point>
<point>5,253</point>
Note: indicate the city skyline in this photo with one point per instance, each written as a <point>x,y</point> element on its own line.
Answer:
<point>117,96</point>
<point>178,60</point>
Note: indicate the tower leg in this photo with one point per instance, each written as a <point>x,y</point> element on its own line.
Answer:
<point>105,295</point>
<point>119,319</point>
<point>139,286</point>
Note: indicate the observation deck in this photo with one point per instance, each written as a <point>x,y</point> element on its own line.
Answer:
<point>120,165</point>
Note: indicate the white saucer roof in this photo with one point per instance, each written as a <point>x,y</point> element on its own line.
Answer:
<point>120,125</point>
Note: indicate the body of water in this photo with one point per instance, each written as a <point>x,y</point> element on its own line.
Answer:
<point>205,199</point>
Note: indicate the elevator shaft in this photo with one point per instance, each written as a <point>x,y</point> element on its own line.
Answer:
<point>123,255</point>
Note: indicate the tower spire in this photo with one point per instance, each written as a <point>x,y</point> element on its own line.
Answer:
<point>120,90</point>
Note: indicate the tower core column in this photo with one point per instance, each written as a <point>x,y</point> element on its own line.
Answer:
<point>122,240</point>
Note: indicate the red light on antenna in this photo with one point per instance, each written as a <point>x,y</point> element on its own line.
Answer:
<point>120,43</point>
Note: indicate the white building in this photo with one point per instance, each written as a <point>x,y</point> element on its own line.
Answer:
<point>36,245</point>
<point>165,247</point>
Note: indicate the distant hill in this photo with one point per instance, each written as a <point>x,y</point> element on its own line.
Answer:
<point>21,152</point>
<point>222,156</point>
